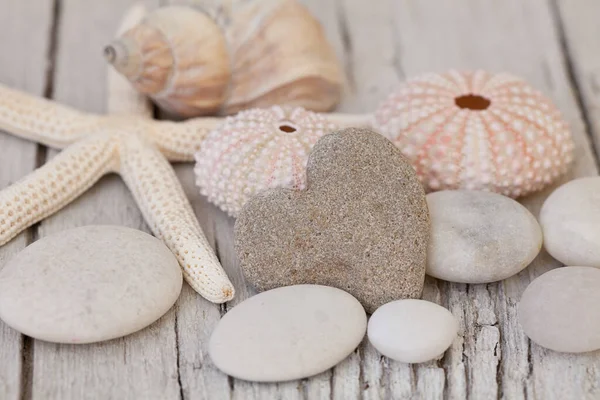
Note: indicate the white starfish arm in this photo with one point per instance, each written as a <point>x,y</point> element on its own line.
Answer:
<point>179,141</point>
<point>122,97</point>
<point>169,214</point>
<point>42,120</point>
<point>56,184</point>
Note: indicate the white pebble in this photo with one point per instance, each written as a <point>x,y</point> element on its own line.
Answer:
<point>287,333</point>
<point>89,284</point>
<point>559,309</point>
<point>570,219</point>
<point>412,331</point>
<point>479,237</point>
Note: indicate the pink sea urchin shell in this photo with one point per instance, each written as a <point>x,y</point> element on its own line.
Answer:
<point>255,150</point>
<point>477,130</point>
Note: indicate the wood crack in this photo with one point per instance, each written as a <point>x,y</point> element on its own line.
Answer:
<point>27,343</point>
<point>347,45</point>
<point>572,78</point>
<point>177,355</point>
<point>397,54</point>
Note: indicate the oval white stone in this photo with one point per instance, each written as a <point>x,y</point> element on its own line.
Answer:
<point>288,333</point>
<point>570,219</point>
<point>412,331</point>
<point>89,284</point>
<point>479,237</point>
<point>559,309</point>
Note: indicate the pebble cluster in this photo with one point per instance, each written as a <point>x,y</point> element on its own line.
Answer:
<point>363,227</point>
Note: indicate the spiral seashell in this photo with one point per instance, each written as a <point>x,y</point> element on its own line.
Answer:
<point>178,57</point>
<point>280,57</point>
<point>477,130</point>
<point>255,150</point>
<point>246,53</point>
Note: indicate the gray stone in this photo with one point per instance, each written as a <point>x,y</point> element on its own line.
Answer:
<point>570,219</point>
<point>288,333</point>
<point>361,225</point>
<point>479,237</point>
<point>559,309</point>
<point>412,331</point>
<point>89,284</point>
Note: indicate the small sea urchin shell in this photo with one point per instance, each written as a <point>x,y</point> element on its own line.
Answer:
<point>476,130</point>
<point>255,150</point>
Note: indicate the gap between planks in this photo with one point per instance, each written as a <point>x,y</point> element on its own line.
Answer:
<point>27,351</point>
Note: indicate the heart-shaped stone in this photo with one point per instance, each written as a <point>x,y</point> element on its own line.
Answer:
<point>362,224</point>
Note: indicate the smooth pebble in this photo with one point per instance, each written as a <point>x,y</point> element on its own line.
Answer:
<point>570,219</point>
<point>288,333</point>
<point>479,237</point>
<point>559,309</point>
<point>89,284</point>
<point>412,331</point>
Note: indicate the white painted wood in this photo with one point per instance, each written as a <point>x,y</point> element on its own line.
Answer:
<point>22,65</point>
<point>493,357</point>
<point>579,22</point>
<point>380,45</point>
<point>142,365</point>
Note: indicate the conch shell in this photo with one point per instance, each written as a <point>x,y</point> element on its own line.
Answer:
<point>244,54</point>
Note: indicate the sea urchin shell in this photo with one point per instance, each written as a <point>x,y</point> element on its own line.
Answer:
<point>255,150</point>
<point>476,130</point>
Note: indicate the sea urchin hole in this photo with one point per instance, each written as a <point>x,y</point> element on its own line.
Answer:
<point>472,102</point>
<point>287,128</point>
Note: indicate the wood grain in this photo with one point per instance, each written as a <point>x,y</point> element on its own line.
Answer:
<point>577,22</point>
<point>142,365</point>
<point>23,65</point>
<point>551,45</point>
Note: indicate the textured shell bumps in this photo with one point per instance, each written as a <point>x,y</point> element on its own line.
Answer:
<point>477,130</point>
<point>255,150</point>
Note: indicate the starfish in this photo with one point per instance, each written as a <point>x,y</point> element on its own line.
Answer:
<point>130,144</point>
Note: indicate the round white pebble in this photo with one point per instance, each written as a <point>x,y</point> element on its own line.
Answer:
<point>479,237</point>
<point>559,310</point>
<point>412,331</point>
<point>89,284</point>
<point>570,219</point>
<point>288,333</point>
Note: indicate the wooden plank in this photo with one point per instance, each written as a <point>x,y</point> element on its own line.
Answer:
<point>380,47</point>
<point>199,377</point>
<point>142,365</point>
<point>24,67</point>
<point>493,357</point>
<point>580,31</point>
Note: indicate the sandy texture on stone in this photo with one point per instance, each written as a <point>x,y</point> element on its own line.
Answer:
<point>362,225</point>
<point>479,237</point>
<point>288,333</point>
<point>559,310</point>
<point>570,219</point>
<point>89,284</point>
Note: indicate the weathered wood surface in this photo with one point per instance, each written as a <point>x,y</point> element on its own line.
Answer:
<point>23,64</point>
<point>554,46</point>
